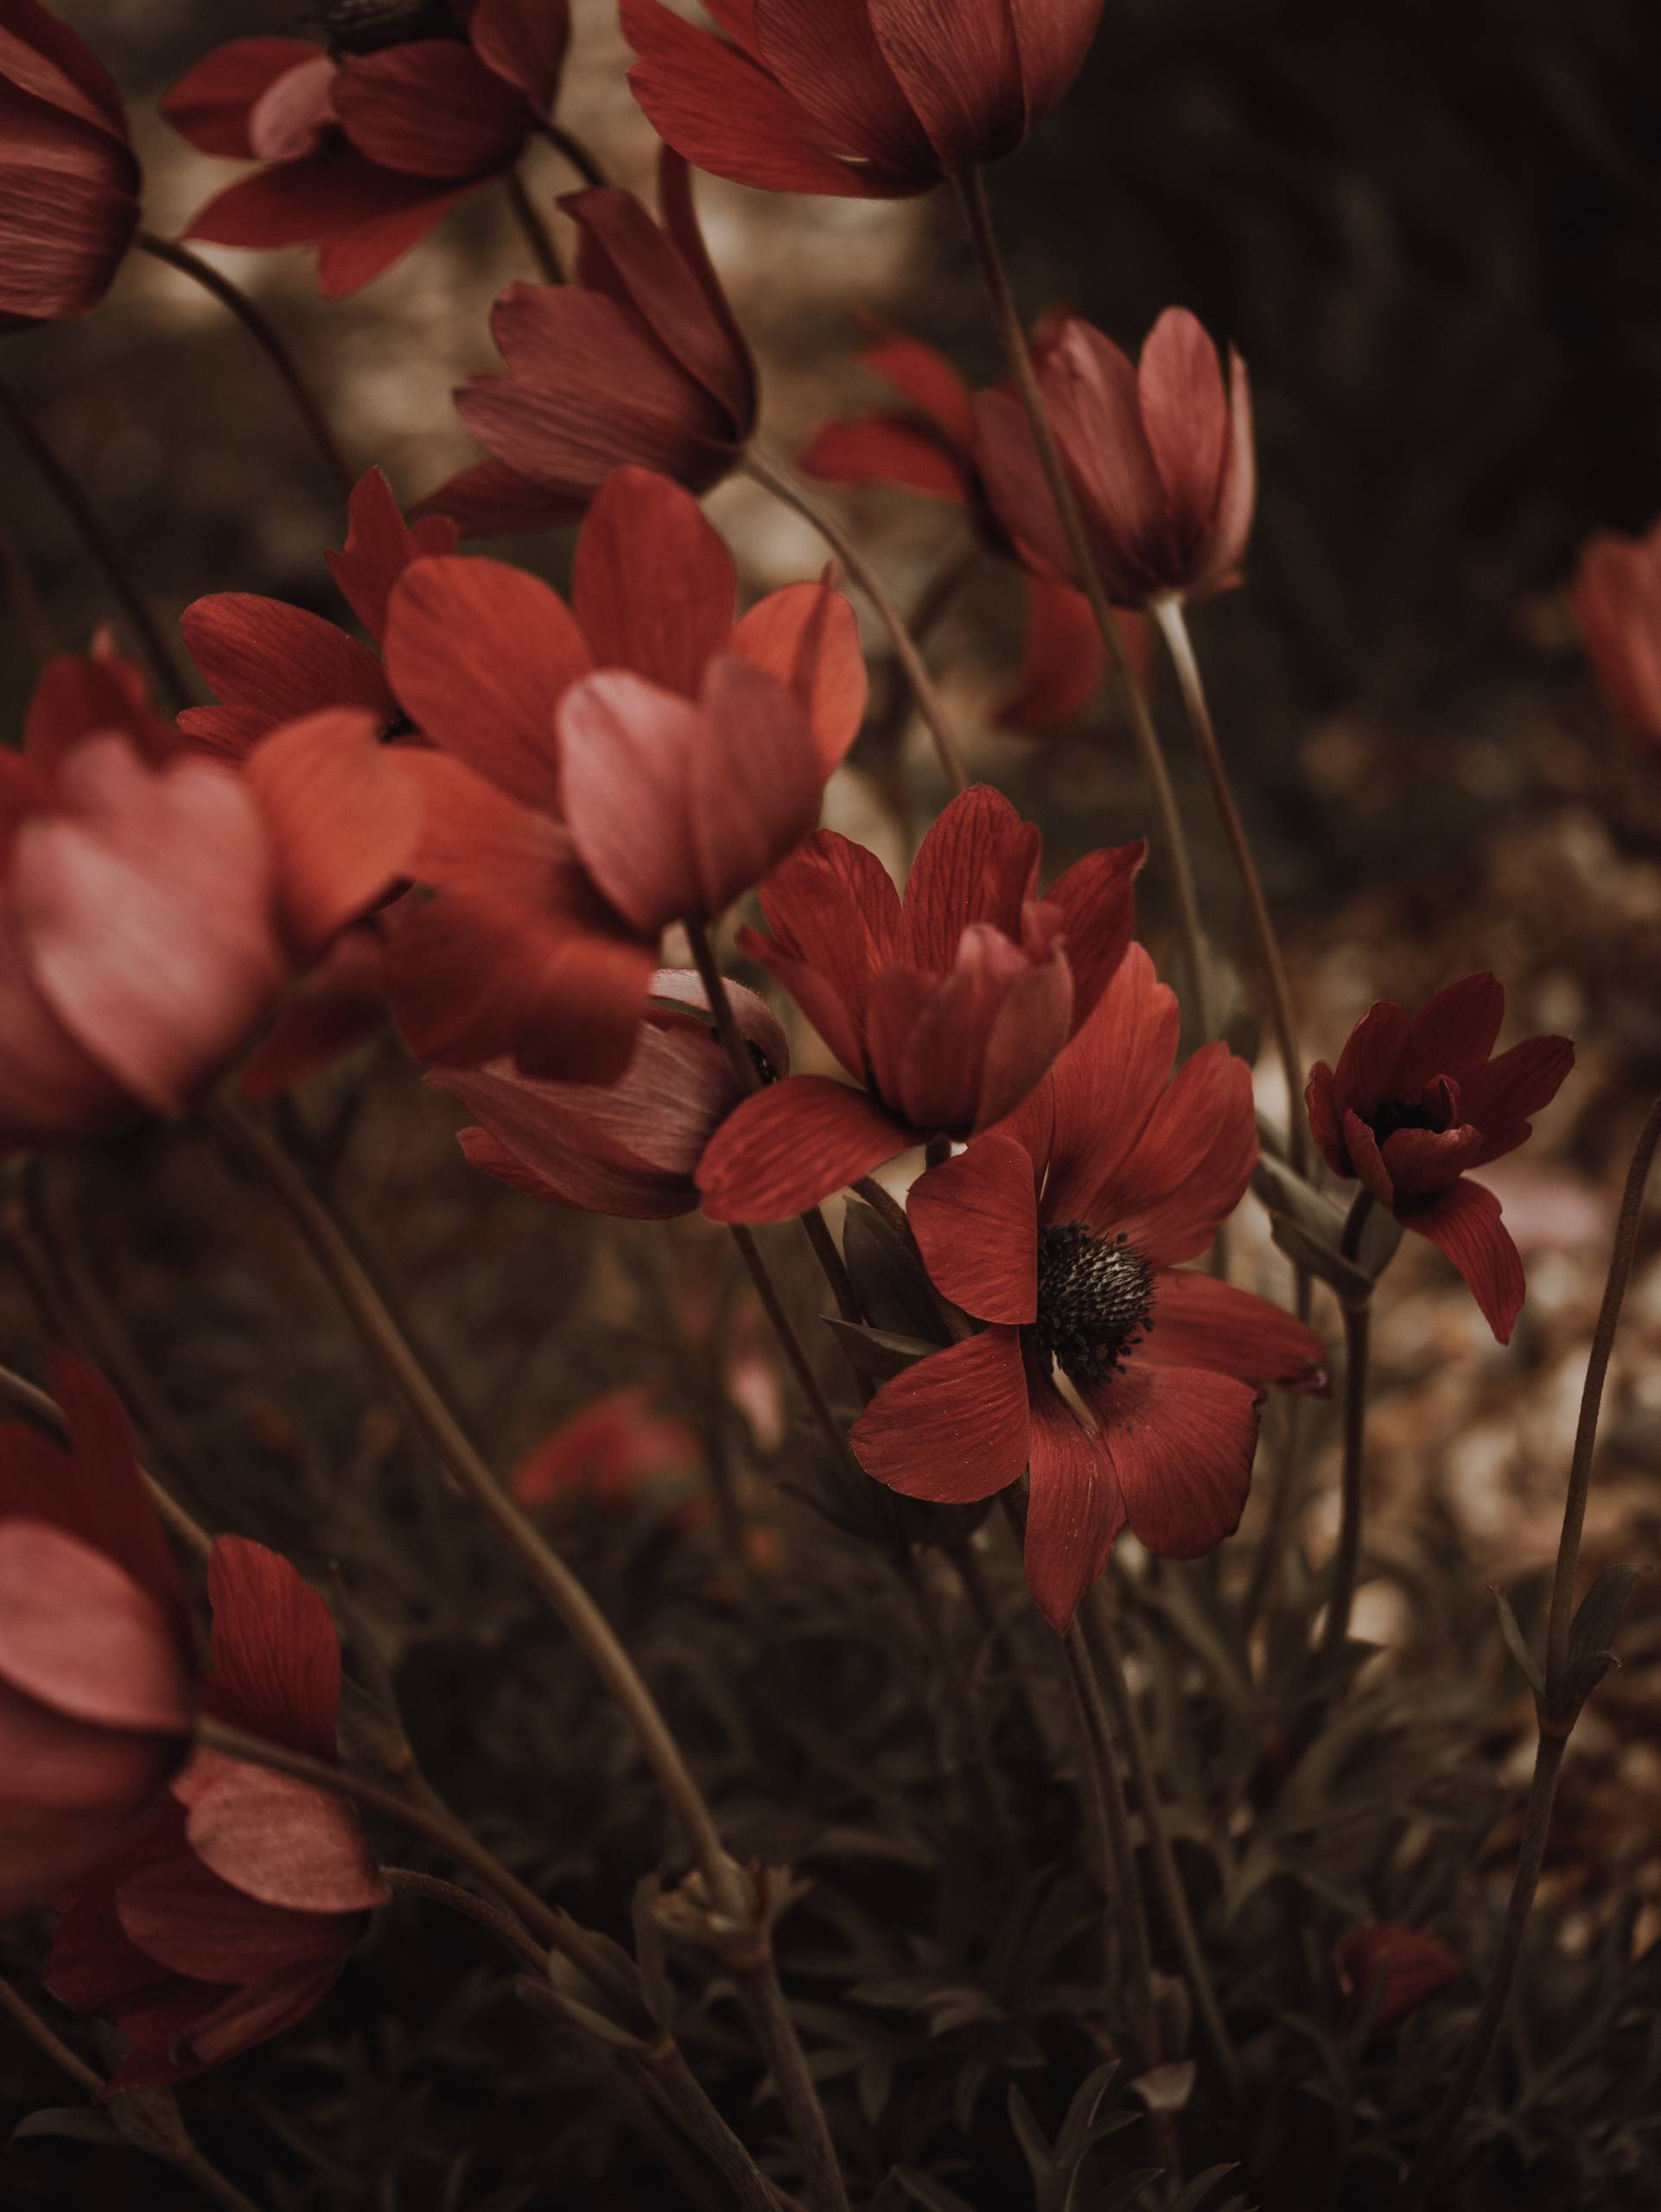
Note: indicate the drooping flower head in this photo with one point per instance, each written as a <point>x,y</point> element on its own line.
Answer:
<point>1159,455</point>
<point>863,98</point>
<point>69,180</point>
<point>947,1007</point>
<point>639,363</point>
<point>231,1914</point>
<point>368,145</point>
<point>1416,1101</point>
<point>1062,1231</point>
<point>1618,602</point>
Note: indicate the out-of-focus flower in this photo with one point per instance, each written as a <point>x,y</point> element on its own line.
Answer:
<point>947,1007</point>
<point>341,1005</point>
<point>69,180</point>
<point>628,1149</point>
<point>270,663</point>
<point>599,774</point>
<point>637,363</point>
<point>1414,1102</point>
<point>231,1916</point>
<point>863,98</point>
<point>1414,1966</point>
<point>1161,456</point>
<point>1062,1231</point>
<point>369,145</point>
<point>95,1706</point>
<point>609,1452</point>
<point>1618,601</point>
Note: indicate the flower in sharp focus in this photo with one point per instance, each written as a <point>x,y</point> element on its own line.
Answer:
<point>946,1007</point>
<point>629,1148</point>
<point>861,99</point>
<point>639,363</point>
<point>1062,1231</point>
<point>269,662</point>
<point>69,180</point>
<point>1414,1102</point>
<point>96,1702</point>
<point>1618,603</point>
<point>599,774</point>
<point>368,145</point>
<point>1159,455</point>
<point>231,1916</point>
<point>1413,1966</point>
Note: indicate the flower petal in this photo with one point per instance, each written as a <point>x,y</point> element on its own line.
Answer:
<point>1365,1073</point>
<point>808,636</point>
<point>1097,896</point>
<point>275,1668</point>
<point>493,501</point>
<point>82,1638</point>
<point>345,822</point>
<point>430,108</point>
<point>792,1145</point>
<point>1185,417</point>
<point>1063,661</point>
<point>1453,1034</point>
<point>1124,1053</point>
<point>210,104</point>
<point>960,72</point>
<point>836,921</point>
<point>269,662</point>
<point>380,547</point>
<point>954,1428</point>
<point>1465,1224</point>
<point>1519,1083</point>
<point>976,1221</point>
<point>525,42</point>
<point>1074,1510</point>
<point>654,590</point>
<point>277,1840</point>
<point>364,217</point>
<point>978,864</point>
<point>1190,1167</point>
<point>1199,1321</point>
<point>890,449</point>
<point>1182,1440</point>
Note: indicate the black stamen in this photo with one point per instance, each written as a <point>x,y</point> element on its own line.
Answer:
<point>369,26</point>
<point>1094,1300</point>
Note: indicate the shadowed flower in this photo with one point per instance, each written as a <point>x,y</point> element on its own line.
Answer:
<point>628,1149</point>
<point>599,774</point>
<point>1618,602</point>
<point>611,1452</point>
<point>231,1915</point>
<point>369,145</point>
<point>947,1007</point>
<point>1159,455</point>
<point>1414,1966</point>
<point>637,363</point>
<point>1414,1102</point>
<point>95,1646</point>
<point>69,181</point>
<point>1062,1231</point>
<point>863,98</point>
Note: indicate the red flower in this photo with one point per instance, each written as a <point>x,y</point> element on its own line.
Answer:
<point>1161,457</point>
<point>948,1008</point>
<point>95,1650</point>
<point>69,180</point>
<point>599,774</point>
<point>1618,601</point>
<point>1060,1231</point>
<point>270,663</point>
<point>629,1148</point>
<point>865,98</point>
<point>637,364</point>
<point>366,153</point>
<point>1414,1966</point>
<point>610,1451</point>
<point>231,1915</point>
<point>1414,1103</point>
<point>928,446</point>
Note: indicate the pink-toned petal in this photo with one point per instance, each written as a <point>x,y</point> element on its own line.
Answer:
<point>1062,661</point>
<point>1199,1321</point>
<point>654,590</point>
<point>276,1667</point>
<point>345,822</point>
<point>1027,1033</point>
<point>1097,897</point>
<point>1366,1070</point>
<point>430,109</point>
<point>1074,1510</point>
<point>211,104</point>
<point>81,1637</point>
<point>380,547</point>
<point>49,1085</point>
<point>1453,1035</point>
<point>277,1839</point>
<point>1618,605</point>
<point>978,864</point>
<point>808,636</point>
<point>74,1794</point>
<point>292,116</point>
<point>1238,496</point>
<point>525,42</point>
<point>1190,1167</point>
<point>962,78</point>
<point>758,1025</point>
<point>1182,1440</point>
<point>556,1150</point>
<point>953,1429</point>
<point>976,1221</point>
<point>1185,417</point>
<point>269,664</point>
<point>105,1500</point>
<point>890,449</point>
<point>792,1145</point>
<point>1465,1224</point>
<point>625,747</point>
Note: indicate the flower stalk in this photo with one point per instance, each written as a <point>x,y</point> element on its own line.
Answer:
<point>1346,1560</point>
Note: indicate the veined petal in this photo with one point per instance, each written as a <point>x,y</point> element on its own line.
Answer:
<point>430,108</point>
<point>269,664</point>
<point>1097,897</point>
<point>1189,1168</point>
<point>1074,1509</point>
<point>210,104</point>
<point>1465,1224</point>
<point>1182,1440</point>
<point>976,1221</point>
<point>1124,1053</point>
<point>978,864</point>
<point>525,42</point>
<point>1199,1321</point>
<point>954,1428</point>
<point>380,547</point>
<point>654,590</point>
<point>1185,416</point>
<point>808,636</point>
<point>345,824</point>
<point>1518,1083</point>
<point>961,74</point>
<point>1453,1034</point>
<point>792,1145</point>
<point>832,58</point>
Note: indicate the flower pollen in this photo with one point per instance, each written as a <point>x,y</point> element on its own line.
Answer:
<point>1095,1300</point>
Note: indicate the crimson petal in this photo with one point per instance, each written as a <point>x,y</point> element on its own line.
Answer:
<point>953,1429</point>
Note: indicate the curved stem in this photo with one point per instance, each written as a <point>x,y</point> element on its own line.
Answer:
<point>509,1931</point>
<point>49,2043</point>
<point>264,335</point>
<point>783,486</point>
<point>585,163</point>
<point>73,500</point>
<point>535,230</point>
<point>977,215</point>
<point>1173,626</point>
<point>1346,1560</point>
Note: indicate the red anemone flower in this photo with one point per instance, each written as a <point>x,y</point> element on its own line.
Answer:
<point>1161,456</point>
<point>947,1007</point>
<point>1618,601</point>
<point>96,1704</point>
<point>1414,1103</point>
<point>612,1452</point>
<point>863,98</point>
<point>637,363</point>
<point>928,446</point>
<point>629,1148</point>
<point>1061,1232</point>
<point>600,773</point>
<point>69,180</point>
<point>367,151</point>
<point>231,1915</point>
<point>270,663</point>
<point>1414,1966</point>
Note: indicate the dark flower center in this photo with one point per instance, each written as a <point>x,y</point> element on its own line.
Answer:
<point>1397,1114</point>
<point>367,26</point>
<point>1095,1300</point>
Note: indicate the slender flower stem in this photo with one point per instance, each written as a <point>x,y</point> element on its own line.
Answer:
<point>46,2040</point>
<point>264,336</point>
<point>508,1929</point>
<point>585,163</point>
<point>1173,626</point>
<point>543,252</point>
<point>1346,1560</point>
<point>75,504</point>
<point>1561,1707</point>
<point>783,486</point>
<point>977,215</point>
<point>887,727</point>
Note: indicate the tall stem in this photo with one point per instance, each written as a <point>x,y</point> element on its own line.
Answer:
<point>1173,624</point>
<point>977,215</point>
<point>1346,1561</point>
<point>886,727</point>
<point>265,337</point>
<point>783,486</point>
<point>535,230</point>
<point>75,504</point>
<point>1102,1777</point>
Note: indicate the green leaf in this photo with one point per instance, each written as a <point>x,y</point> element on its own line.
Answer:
<point>1511,1628</point>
